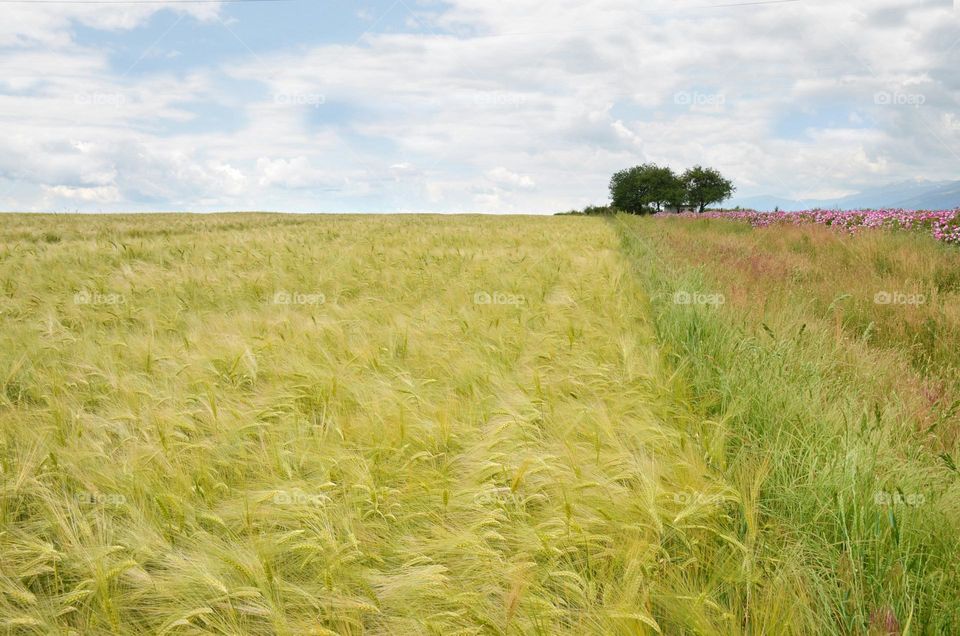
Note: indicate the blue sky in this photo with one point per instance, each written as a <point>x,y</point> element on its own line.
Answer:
<point>465,105</point>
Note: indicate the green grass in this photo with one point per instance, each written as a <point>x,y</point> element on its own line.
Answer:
<point>256,424</point>
<point>810,375</point>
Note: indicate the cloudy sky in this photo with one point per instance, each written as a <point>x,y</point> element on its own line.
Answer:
<point>465,105</point>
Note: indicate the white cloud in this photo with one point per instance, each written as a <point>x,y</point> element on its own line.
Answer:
<point>51,26</point>
<point>100,194</point>
<point>402,170</point>
<point>290,173</point>
<point>530,108</point>
<point>507,179</point>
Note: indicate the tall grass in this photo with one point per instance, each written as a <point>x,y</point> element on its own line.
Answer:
<point>892,291</point>
<point>829,393</point>
<point>292,425</point>
<point>255,424</point>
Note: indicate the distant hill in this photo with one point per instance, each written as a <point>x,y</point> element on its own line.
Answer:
<point>909,195</point>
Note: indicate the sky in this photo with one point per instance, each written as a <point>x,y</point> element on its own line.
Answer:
<point>465,105</point>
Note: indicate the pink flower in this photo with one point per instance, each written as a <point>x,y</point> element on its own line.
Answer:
<point>944,225</point>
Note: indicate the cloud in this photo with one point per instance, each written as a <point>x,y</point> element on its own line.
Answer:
<point>507,179</point>
<point>297,172</point>
<point>498,106</point>
<point>100,194</point>
<point>52,26</point>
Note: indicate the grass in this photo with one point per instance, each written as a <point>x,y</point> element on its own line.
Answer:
<point>256,424</point>
<point>851,402</point>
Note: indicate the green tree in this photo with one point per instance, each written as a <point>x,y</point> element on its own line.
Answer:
<point>668,188</point>
<point>637,189</point>
<point>705,186</point>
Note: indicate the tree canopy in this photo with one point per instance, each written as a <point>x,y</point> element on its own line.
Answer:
<point>649,188</point>
<point>705,186</point>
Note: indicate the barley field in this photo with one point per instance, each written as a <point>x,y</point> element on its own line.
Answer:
<point>280,424</point>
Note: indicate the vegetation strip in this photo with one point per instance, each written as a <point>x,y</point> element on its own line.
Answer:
<point>856,517</point>
<point>943,225</point>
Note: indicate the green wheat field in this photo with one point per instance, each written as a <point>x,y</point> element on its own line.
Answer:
<point>282,424</point>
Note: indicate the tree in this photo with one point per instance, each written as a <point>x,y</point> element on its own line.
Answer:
<point>678,199</point>
<point>630,189</point>
<point>675,193</point>
<point>635,189</point>
<point>705,186</point>
<point>668,188</point>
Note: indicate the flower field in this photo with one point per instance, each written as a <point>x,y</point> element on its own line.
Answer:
<point>944,225</point>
